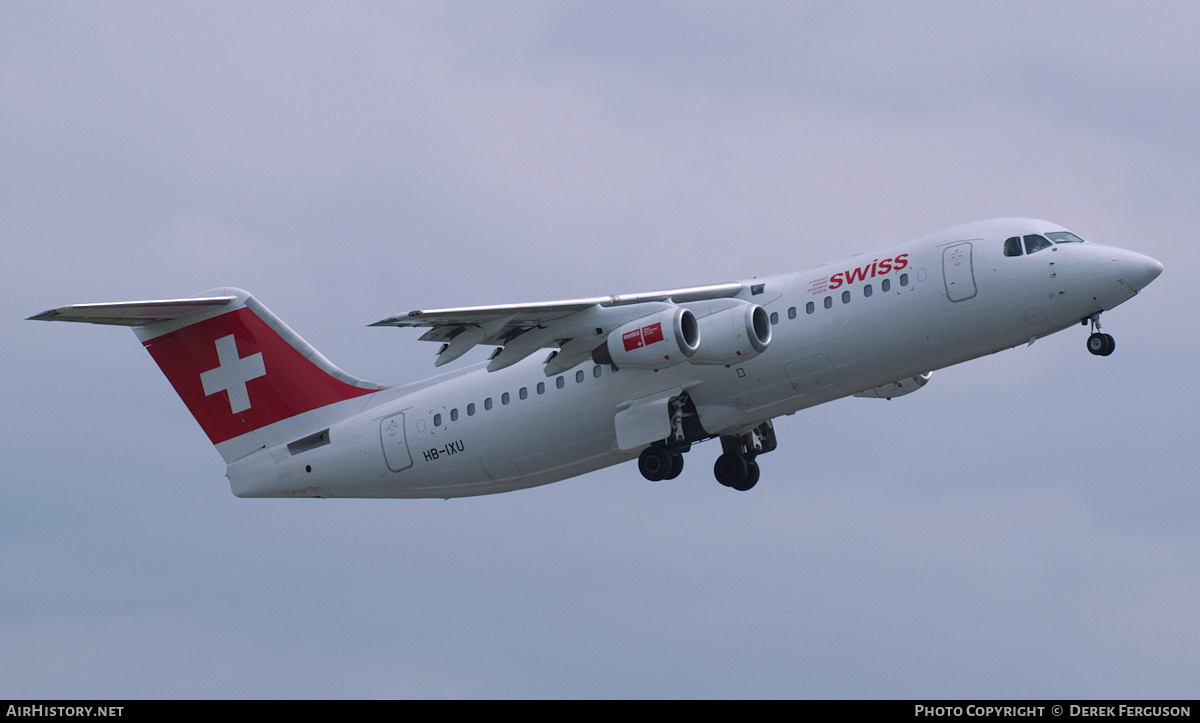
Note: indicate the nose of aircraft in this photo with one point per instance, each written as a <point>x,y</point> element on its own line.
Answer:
<point>1138,270</point>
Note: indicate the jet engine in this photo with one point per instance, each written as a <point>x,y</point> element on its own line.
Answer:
<point>656,341</point>
<point>733,335</point>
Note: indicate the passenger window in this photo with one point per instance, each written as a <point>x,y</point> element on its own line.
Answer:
<point>597,371</point>
<point>504,398</point>
<point>846,296</point>
<point>828,302</point>
<point>810,308</point>
<point>579,377</point>
<point>1012,247</point>
<point>454,414</point>
<point>886,285</point>
<point>559,382</point>
<point>774,318</point>
<point>904,279</point>
<point>471,409</point>
<point>1034,242</point>
<point>867,290</point>
<point>437,420</point>
<point>541,387</point>
<point>487,404</point>
<point>524,392</point>
<point>792,312</point>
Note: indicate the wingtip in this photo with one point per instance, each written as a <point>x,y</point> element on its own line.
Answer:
<point>47,315</point>
<point>397,320</point>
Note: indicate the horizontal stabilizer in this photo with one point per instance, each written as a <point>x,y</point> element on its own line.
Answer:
<point>133,313</point>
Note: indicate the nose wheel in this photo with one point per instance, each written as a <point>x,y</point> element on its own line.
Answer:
<point>1099,343</point>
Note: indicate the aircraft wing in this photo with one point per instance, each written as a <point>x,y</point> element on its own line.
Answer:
<point>574,326</point>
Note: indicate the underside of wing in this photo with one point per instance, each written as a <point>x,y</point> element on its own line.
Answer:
<point>573,326</point>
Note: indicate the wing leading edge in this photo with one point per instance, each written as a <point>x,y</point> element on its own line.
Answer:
<point>575,326</point>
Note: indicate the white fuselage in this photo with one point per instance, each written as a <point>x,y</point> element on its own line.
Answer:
<point>954,297</point>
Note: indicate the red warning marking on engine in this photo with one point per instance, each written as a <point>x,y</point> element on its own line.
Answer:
<point>645,336</point>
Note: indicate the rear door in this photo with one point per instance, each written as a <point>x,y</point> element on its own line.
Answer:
<point>395,443</point>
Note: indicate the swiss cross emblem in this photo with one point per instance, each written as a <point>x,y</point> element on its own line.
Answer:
<point>232,374</point>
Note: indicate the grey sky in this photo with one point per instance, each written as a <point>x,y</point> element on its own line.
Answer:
<point>1025,526</point>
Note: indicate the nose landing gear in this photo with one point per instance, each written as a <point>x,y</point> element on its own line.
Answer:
<point>1098,343</point>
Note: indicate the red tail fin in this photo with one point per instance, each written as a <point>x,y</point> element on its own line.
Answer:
<point>238,368</point>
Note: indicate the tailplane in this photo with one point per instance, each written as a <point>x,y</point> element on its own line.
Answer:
<point>248,379</point>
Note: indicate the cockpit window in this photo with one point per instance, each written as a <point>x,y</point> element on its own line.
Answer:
<point>1012,247</point>
<point>1034,242</point>
<point>1064,237</point>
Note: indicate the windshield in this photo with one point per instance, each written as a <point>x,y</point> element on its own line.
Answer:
<point>1064,237</point>
<point>1034,243</point>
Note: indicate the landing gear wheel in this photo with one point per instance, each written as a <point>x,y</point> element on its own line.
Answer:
<point>655,463</point>
<point>736,467</point>
<point>730,469</point>
<point>1101,344</point>
<point>736,471</point>
<point>676,466</point>
<point>751,478</point>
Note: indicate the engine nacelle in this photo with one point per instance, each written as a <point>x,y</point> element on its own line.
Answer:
<point>733,335</point>
<point>898,388</point>
<point>657,341</point>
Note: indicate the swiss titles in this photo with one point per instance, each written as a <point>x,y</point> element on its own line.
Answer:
<point>878,267</point>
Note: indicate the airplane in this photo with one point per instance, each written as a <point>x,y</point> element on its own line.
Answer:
<point>641,376</point>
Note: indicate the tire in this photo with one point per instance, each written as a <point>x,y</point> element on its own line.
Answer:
<point>676,466</point>
<point>655,463</point>
<point>731,469</point>
<point>751,479</point>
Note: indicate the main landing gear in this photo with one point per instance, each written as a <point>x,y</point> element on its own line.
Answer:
<point>1098,343</point>
<point>659,462</point>
<point>736,467</point>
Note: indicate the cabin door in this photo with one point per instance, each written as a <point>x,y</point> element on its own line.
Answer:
<point>956,267</point>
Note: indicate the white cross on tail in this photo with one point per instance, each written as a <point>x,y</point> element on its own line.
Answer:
<point>233,373</point>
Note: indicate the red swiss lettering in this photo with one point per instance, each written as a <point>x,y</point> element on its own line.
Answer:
<point>877,267</point>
